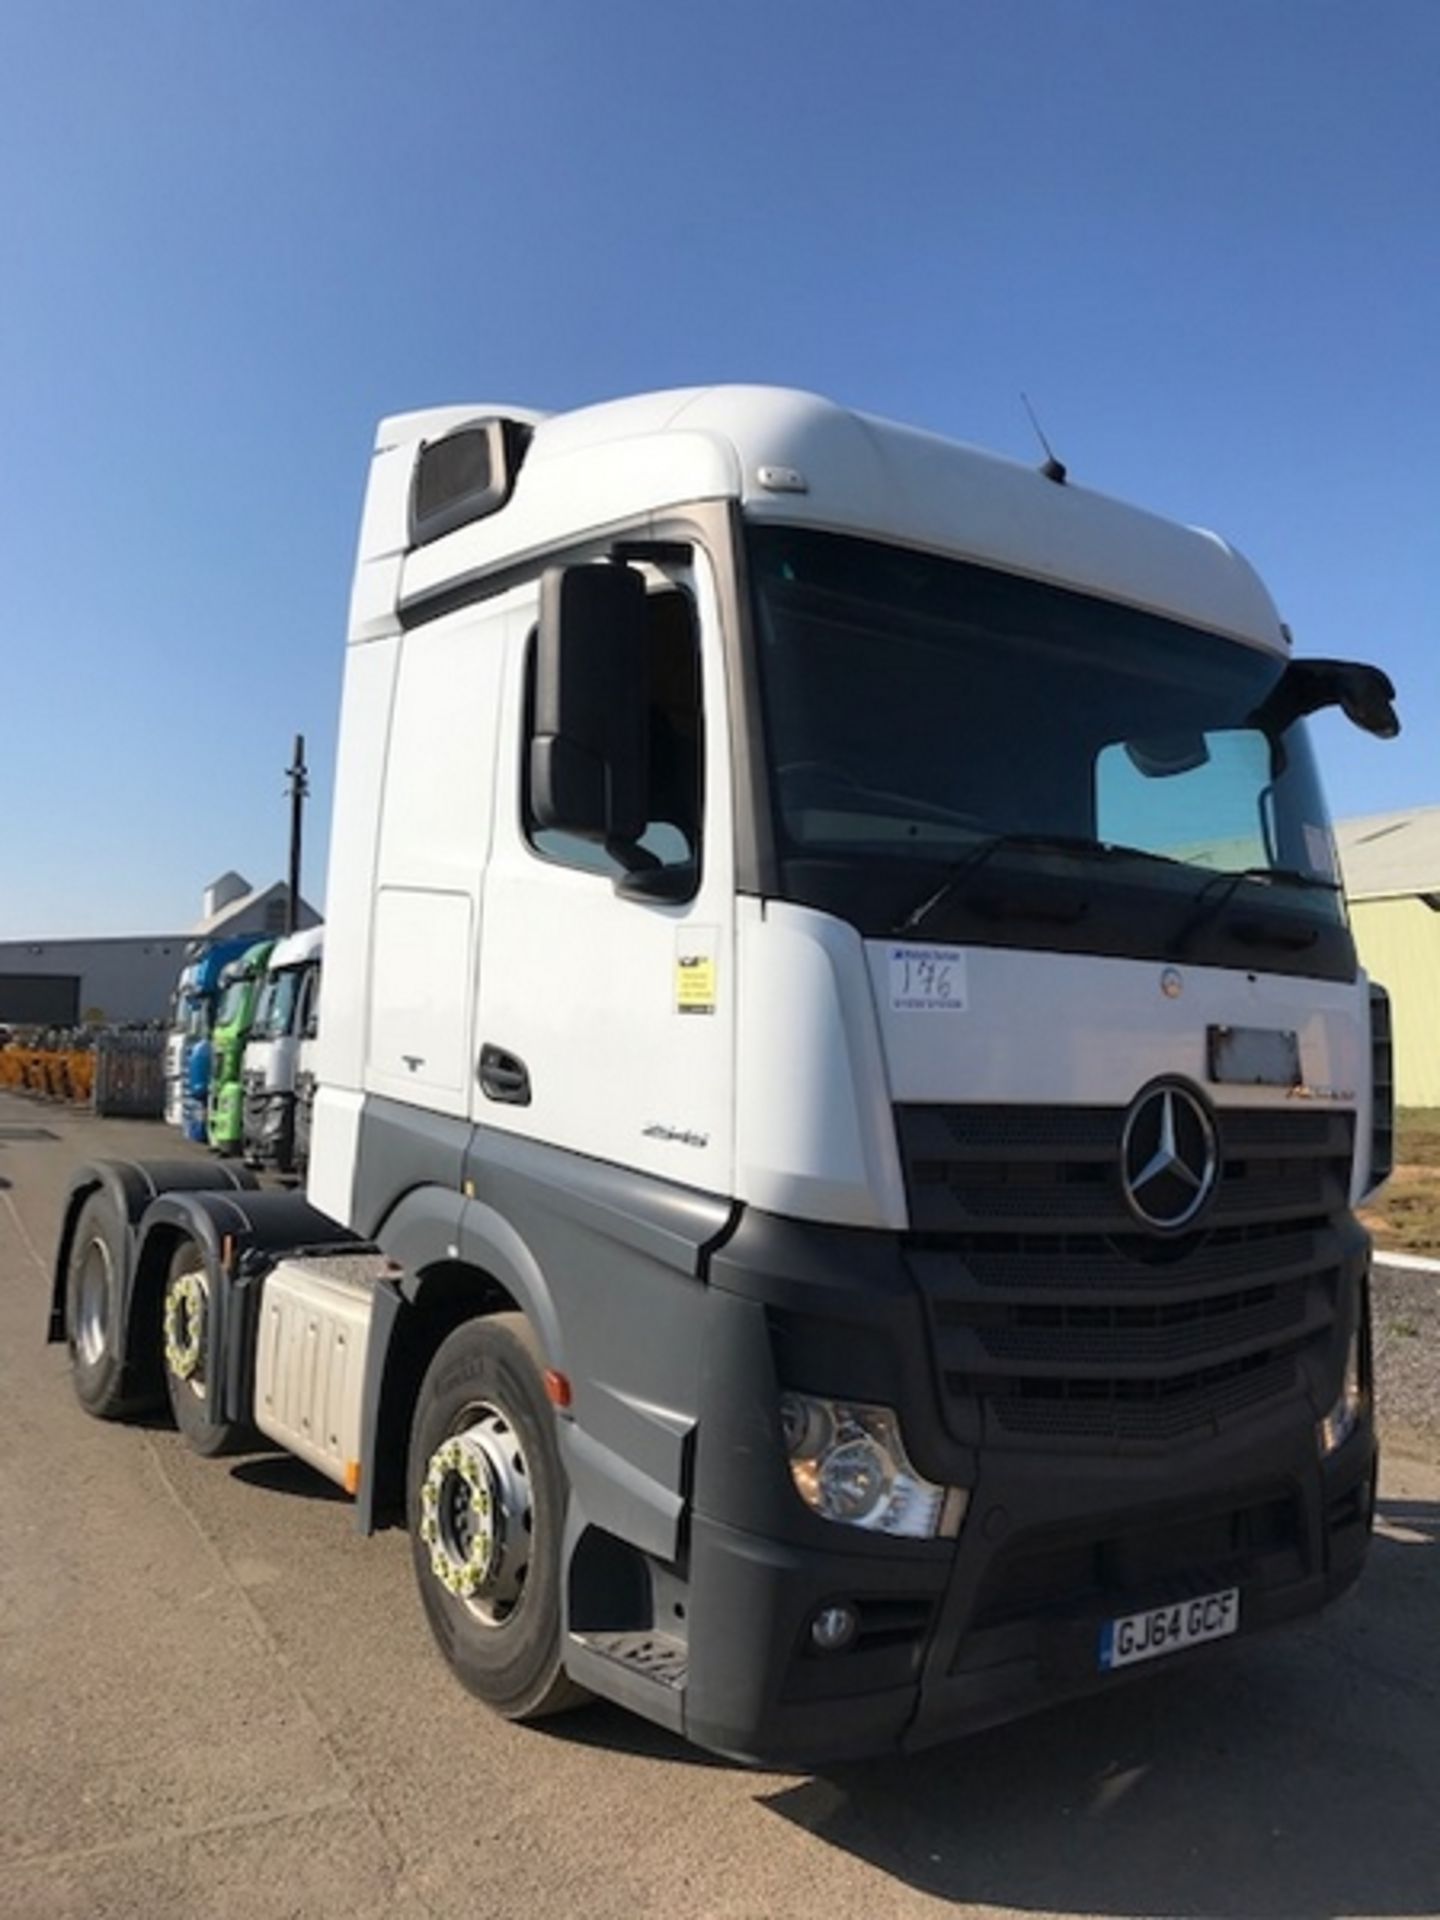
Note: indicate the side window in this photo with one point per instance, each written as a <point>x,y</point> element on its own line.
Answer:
<point>310,1004</point>
<point>672,832</point>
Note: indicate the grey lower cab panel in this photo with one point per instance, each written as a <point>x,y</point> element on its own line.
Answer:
<point>607,1263</point>
<point>400,1149</point>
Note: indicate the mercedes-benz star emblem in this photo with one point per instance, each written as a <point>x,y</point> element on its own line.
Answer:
<point>1169,1157</point>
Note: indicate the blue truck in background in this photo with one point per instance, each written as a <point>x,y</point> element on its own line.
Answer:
<point>188,1052</point>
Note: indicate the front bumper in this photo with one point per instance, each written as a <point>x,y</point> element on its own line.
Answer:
<point>1059,1537</point>
<point>269,1129</point>
<point>957,1637</point>
<point>225,1125</point>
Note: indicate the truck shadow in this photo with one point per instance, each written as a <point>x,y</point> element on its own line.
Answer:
<point>283,1473</point>
<point>1295,1780</point>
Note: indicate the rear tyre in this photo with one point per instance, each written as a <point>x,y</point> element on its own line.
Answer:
<point>485,1499</point>
<point>186,1349</point>
<point>94,1330</point>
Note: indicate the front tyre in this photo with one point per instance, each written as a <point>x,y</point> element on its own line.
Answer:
<point>485,1500</point>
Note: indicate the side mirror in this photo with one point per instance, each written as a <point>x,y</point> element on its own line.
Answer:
<point>1365,695</point>
<point>1367,698</point>
<point>589,744</point>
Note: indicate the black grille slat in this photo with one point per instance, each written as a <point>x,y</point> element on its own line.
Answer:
<point>1058,1266</point>
<point>1055,1314</point>
<point>1078,1199</point>
<point>1196,1402</point>
<point>1074,1343</point>
<point>987,1129</point>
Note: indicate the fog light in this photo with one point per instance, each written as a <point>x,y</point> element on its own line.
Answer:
<point>834,1627</point>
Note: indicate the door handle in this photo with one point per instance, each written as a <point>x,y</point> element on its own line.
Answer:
<point>503,1077</point>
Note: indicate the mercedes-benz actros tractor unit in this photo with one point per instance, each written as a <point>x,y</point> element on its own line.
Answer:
<point>241,984</point>
<point>276,1075</point>
<point>844,1085</point>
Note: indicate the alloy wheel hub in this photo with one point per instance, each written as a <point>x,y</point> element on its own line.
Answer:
<point>184,1328</point>
<point>475,1516</point>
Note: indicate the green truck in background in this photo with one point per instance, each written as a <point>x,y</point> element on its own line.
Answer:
<point>240,986</point>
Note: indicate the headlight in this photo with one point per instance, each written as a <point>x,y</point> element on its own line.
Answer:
<point>1343,1418</point>
<point>849,1465</point>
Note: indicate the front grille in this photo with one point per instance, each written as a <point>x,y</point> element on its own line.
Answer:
<point>254,1109</point>
<point>1056,1316</point>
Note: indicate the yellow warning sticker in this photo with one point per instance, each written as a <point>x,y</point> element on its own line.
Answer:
<point>694,978</point>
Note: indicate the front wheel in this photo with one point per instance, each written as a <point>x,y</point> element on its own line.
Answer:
<point>485,1497</point>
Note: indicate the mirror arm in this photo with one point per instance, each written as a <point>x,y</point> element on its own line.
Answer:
<point>664,884</point>
<point>1364,694</point>
<point>634,859</point>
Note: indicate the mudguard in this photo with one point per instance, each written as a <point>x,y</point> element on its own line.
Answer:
<point>433,1237</point>
<point>432,1227</point>
<point>625,1454</point>
<point>131,1186</point>
<point>240,1233</point>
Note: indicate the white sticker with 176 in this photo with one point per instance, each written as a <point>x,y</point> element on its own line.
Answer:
<point>927,980</point>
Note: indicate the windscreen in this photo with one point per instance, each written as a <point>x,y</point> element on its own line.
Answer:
<point>275,1012</point>
<point>970,755</point>
<point>232,1002</point>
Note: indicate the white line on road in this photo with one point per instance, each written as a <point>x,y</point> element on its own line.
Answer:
<point>1408,1263</point>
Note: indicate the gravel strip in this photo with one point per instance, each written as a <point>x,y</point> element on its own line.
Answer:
<point>1406,1309</point>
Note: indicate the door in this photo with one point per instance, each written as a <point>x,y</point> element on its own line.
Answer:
<point>605,1024</point>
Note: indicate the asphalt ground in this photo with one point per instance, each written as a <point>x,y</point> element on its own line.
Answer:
<point>217,1700</point>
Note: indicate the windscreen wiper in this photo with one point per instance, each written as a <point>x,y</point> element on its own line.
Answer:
<point>1073,844</point>
<point>1217,892</point>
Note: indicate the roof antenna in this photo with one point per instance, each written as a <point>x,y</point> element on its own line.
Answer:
<point>1052,468</point>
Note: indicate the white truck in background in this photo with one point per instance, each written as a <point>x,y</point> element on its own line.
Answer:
<point>277,1083</point>
<point>844,1085</point>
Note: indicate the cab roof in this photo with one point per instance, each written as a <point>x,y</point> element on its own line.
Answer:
<point>298,949</point>
<point>793,456</point>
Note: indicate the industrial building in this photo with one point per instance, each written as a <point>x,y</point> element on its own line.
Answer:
<point>128,977</point>
<point>1391,867</point>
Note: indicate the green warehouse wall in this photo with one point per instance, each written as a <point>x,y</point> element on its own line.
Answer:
<point>1399,943</point>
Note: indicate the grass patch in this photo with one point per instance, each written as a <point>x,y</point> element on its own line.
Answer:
<point>1405,1216</point>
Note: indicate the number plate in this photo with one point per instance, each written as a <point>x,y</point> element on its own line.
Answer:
<point>1145,1636</point>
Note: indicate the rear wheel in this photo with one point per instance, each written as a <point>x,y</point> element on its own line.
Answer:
<point>93,1327</point>
<point>187,1346</point>
<point>485,1495</point>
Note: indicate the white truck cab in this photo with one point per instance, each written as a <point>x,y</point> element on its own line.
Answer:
<point>185,1024</point>
<point>843,1084</point>
<point>286,1008</point>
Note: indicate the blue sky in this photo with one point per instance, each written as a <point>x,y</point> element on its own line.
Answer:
<point>1202,237</point>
